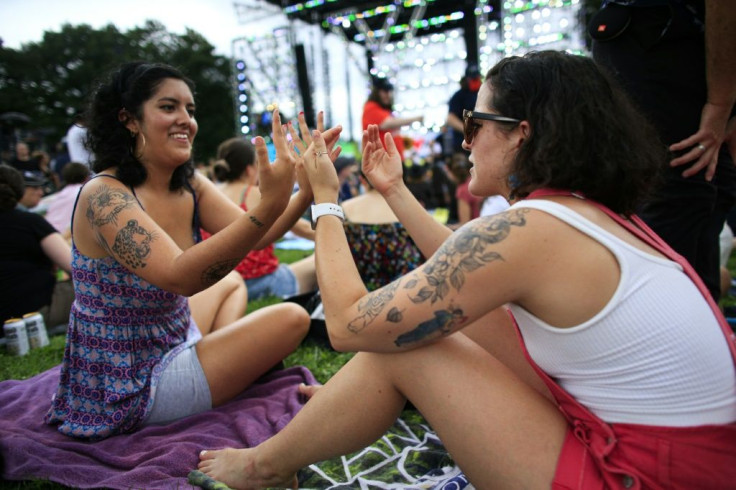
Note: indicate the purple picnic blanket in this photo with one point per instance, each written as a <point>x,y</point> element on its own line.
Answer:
<point>153,457</point>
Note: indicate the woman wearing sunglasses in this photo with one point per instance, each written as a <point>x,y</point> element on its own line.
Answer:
<point>622,375</point>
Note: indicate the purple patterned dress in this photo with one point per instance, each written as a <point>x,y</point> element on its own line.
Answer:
<point>123,332</point>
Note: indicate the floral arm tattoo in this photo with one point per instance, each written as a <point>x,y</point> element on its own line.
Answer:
<point>106,204</point>
<point>132,243</point>
<point>372,306</point>
<point>464,252</point>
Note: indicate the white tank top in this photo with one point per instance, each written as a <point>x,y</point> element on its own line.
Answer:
<point>653,355</point>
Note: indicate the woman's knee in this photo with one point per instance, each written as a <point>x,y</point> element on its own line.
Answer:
<point>294,317</point>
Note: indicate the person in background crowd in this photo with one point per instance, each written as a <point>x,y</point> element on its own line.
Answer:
<point>347,171</point>
<point>31,250</point>
<point>59,159</point>
<point>463,99</point>
<point>34,185</point>
<point>381,247</point>
<point>44,167</point>
<point>59,210</point>
<point>379,110</point>
<point>76,139</point>
<point>23,160</point>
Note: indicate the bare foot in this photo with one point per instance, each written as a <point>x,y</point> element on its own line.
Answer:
<point>237,469</point>
<point>308,390</point>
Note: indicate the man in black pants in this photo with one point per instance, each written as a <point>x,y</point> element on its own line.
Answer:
<point>677,60</point>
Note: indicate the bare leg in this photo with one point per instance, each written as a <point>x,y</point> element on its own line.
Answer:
<point>235,356</point>
<point>502,432</point>
<point>495,332</point>
<point>220,304</point>
<point>306,277</point>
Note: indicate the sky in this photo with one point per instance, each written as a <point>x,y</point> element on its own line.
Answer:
<point>24,21</point>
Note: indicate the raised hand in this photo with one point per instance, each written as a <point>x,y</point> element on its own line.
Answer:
<point>299,145</point>
<point>381,166</point>
<point>319,168</point>
<point>275,179</point>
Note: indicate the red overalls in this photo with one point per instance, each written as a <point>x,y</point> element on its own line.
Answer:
<point>598,455</point>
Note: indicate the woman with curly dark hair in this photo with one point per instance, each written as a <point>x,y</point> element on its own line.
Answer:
<point>622,374</point>
<point>134,353</point>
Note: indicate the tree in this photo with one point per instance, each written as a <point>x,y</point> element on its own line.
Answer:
<point>50,80</point>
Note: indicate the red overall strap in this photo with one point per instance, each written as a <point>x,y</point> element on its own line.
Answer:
<point>641,230</point>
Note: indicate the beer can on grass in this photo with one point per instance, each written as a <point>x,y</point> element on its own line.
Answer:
<point>36,328</point>
<point>16,336</point>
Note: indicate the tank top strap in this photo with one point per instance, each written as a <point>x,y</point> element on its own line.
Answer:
<point>196,224</point>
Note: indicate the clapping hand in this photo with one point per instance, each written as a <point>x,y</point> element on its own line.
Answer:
<point>275,179</point>
<point>318,165</point>
<point>381,166</point>
<point>299,145</point>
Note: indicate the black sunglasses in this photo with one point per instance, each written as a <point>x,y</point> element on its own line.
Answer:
<point>470,126</point>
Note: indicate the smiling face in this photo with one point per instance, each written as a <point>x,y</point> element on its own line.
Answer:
<point>168,125</point>
<point>491,152</point>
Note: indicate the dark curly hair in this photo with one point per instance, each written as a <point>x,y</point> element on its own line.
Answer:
<point>586,135</point>
<point>12,187</point>
<point>127,87</point>
<point>233,156</point>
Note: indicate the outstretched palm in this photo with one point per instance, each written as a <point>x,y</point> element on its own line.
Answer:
<point>381,166</point>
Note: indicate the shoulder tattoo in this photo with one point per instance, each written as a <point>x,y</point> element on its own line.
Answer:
<point>465,251</point>
<point>106,204</point>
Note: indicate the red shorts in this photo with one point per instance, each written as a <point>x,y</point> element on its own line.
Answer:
<point>641,456</point>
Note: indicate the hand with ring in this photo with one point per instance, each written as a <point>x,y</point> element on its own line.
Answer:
<point>700,150</point>
<point>321,171</point>
<point>299,146</point>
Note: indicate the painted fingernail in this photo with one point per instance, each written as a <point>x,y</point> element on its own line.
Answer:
<point>202,452</point>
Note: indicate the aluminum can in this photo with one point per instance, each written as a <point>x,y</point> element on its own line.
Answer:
<point>36,329</point>
<point>16,336</point>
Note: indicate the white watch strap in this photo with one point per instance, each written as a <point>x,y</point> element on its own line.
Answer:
<point>324,209</point>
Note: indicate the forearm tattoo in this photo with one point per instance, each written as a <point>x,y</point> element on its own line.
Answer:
<point>217,271</point>
<point>465,251</point>
<point>106,204</point>
<point>444,323</point>
<point>372,305</point>
<point>256,221</point>
<point>133,244</point>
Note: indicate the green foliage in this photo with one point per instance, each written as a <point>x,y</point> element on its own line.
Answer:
<point>50,80</point>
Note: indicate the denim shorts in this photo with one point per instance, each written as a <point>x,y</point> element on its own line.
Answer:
<point>182,390</point>
<point>280,283</point>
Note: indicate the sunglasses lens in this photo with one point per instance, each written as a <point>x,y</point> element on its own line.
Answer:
<point>469,128</point>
